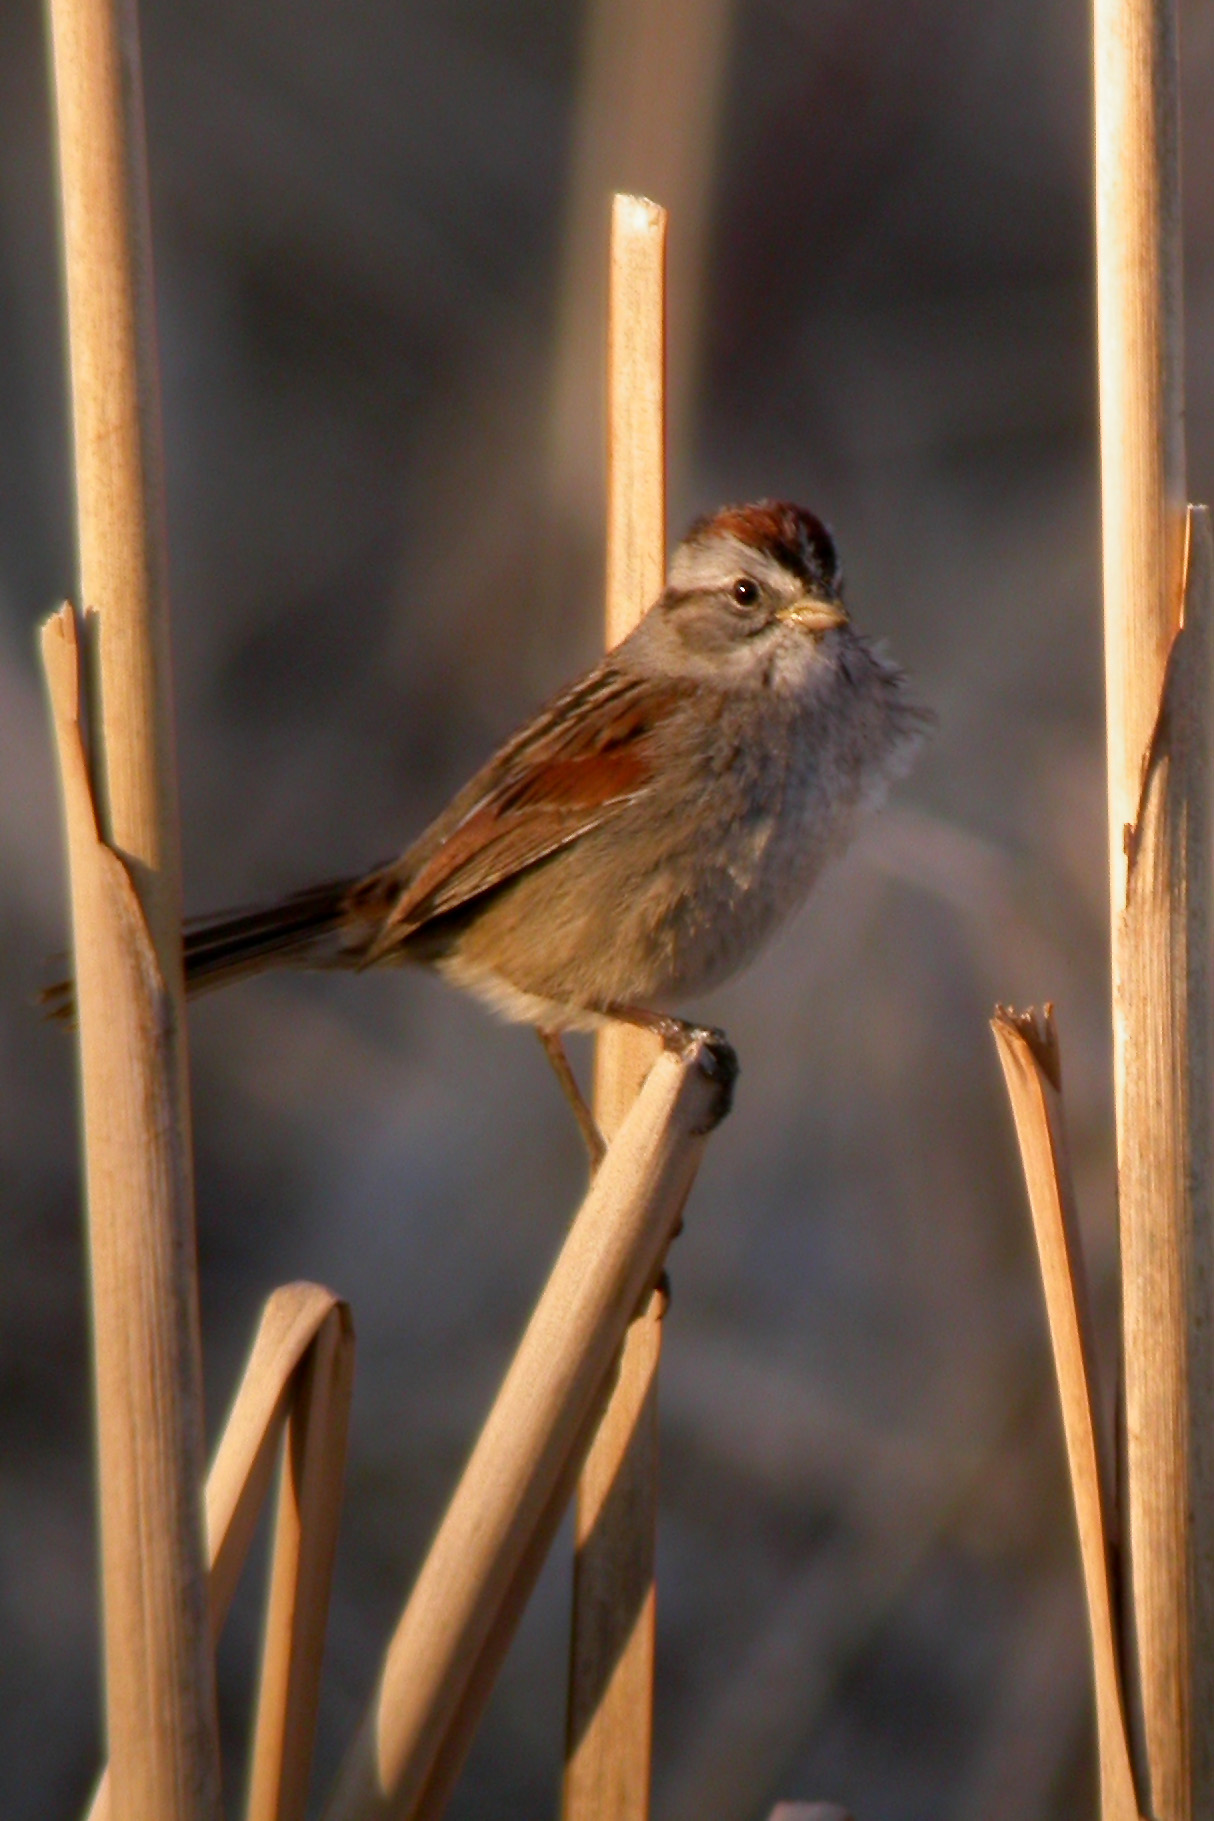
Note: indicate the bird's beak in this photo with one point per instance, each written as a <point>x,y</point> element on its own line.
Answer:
<point>813,616</point>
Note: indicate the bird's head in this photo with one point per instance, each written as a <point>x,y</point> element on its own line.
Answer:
<point>754,594</point>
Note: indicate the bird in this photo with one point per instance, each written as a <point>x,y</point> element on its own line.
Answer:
<point>641,837</point>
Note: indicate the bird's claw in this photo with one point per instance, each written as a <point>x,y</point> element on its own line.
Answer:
<point>717,1061</point>
<point>710,1050</point>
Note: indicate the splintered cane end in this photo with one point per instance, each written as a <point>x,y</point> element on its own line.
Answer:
<point>637,214</point>
<point>1038,1030</point>
<point>59,644</point>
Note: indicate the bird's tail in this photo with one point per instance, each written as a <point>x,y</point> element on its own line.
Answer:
<point>300,931</point>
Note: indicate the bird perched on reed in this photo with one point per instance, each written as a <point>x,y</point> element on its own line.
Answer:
<point>638,840</point>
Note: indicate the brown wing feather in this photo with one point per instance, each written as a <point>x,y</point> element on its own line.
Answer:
<point>582,758</point>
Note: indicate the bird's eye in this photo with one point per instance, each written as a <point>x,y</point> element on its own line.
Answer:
<point>745,592</point>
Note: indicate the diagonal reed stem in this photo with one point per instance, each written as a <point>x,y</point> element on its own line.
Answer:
<point>1029,1055</point>
<point>466,1596</point>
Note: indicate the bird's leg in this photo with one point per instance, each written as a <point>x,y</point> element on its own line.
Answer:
<point>554,1049</point>
<point>718,1059</point>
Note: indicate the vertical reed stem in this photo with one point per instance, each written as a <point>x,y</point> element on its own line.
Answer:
<point>610,1721</point>
<point>1158,758</point>
<point>160,1701</point>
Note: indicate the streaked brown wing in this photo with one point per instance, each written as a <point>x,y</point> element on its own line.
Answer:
<point>582,758</point>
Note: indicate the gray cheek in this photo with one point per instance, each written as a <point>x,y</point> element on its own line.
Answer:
<point>712,647</point>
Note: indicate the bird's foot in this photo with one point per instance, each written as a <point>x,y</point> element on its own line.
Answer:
<point>718,1060</point>
<point>710,1048</point>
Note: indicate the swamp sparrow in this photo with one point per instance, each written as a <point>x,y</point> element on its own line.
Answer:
<point>640,838</point>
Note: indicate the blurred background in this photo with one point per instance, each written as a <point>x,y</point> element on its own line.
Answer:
<point>381,236</point>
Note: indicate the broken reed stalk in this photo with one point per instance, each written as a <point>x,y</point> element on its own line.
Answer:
<point>298,1378</point>
<point>1159,757</point>
<point>610,1716</point>
<point>310,1485</point>
<point>1030,1057</point>
<point>474,1580</point>
<point>159,1675</point>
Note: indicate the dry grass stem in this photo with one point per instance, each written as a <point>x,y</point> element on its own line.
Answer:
<point>1159,761</point>
<point>610,1718</point>
<point>1163,1010</point>
<point>298,1377</point>
<point>636,521</point>
<point>636,413</point>
<point>310,1486</point>
<point>159,1675</point>
<point>612,1254</point>
<point>1028,1051</point>
<point>119,467</point>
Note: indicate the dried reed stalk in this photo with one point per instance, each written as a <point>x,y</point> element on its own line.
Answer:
<point>486,1544</point>
<point>159,1673</point>
<point>291,1322</point>
<point>301,1569</point>
<point>1159,758</point>
<point>1030,1057</point>
<point>298,1377</point>
<point>159,1676</point>
<point>610,1718</point>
